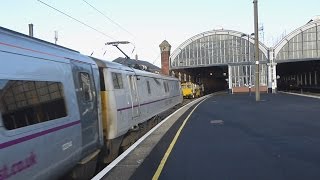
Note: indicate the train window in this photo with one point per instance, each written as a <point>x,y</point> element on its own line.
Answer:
<point>166,86</point>
<point>148,87</point>
<point>24,103</point>
<point>86,86</point>
<point>157,81</point>
<point>117,80</point>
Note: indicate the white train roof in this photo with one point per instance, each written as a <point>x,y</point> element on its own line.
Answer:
<point>18,43</point>
<point>109,64</point>
<point>114,65</point>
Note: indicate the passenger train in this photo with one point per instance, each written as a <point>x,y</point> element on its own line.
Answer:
<point>62,112</point>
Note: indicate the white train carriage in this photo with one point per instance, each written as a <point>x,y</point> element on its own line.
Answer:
<point>47,124</point>
<point>60,111</point>
<point>131,97</point>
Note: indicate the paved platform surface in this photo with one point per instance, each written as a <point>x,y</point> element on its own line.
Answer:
<point>234,137</point>
<point>124,169</point>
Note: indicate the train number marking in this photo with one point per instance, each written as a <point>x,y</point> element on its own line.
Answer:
<point>66,145</point>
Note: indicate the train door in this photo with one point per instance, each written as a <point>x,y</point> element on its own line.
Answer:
<point>87,102</point>
<point>134,96</point>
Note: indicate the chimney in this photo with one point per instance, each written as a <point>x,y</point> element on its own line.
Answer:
<point>31,30</point>
<point>165,48</point>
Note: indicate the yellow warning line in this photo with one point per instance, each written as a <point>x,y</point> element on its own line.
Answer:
<point>166,155</point>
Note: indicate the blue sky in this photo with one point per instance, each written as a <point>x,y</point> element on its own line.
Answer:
<point>150,22</point>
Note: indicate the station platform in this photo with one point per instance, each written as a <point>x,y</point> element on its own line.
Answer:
<point>224,136</point>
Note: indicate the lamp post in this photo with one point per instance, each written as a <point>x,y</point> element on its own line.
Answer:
<point>256,43</point>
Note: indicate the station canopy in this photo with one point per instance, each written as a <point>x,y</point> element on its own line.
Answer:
<point>301,44</point>
<point>217,48</point>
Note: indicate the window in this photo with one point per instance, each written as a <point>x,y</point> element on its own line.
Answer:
<point>24,103</point>
<point>86,86</point>
<point>148,87</point>
<point>117,80</point>
<point>166,86</point>
<point>157,81</point>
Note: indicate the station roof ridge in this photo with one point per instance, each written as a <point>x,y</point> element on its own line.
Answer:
<point>208,33</point>
<point>315,21</point>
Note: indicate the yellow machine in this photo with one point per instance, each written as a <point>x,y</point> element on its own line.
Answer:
<point>190,90</point>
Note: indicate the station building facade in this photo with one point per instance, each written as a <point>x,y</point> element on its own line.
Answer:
<point>223,48</point>
<point>235,50</point>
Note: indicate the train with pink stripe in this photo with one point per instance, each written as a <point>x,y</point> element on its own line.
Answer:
<point>64,114</point>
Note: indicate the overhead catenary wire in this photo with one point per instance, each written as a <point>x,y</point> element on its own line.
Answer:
<point>117,24</point>
<point>100,32</point>
<point>156,58</point>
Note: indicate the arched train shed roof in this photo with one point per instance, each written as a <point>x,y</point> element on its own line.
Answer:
<point>300,45</point>
<point>217,47</point>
